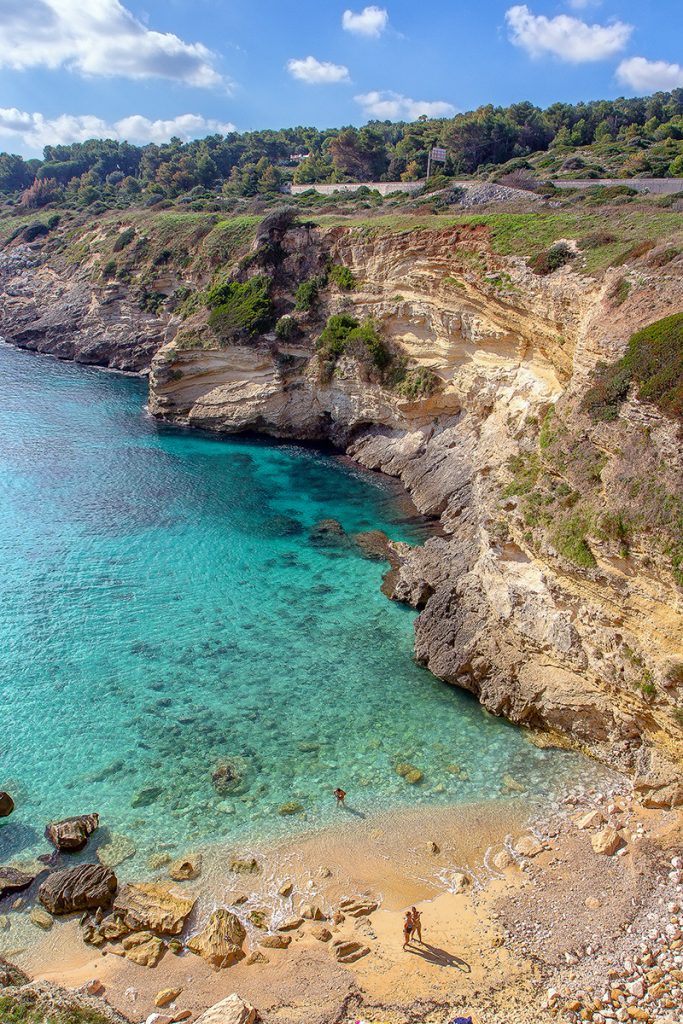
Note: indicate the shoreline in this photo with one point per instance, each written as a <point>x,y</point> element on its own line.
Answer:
<point>513,942</point>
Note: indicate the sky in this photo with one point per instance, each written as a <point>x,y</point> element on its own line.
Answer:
<point>146,70</point>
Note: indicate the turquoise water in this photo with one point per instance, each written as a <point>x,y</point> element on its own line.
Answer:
<point>164,609</point>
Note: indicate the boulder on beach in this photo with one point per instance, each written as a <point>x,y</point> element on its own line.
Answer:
<point>14,880</point>
<point>84,887</point>
<point>359,906</point>
<point>6,804</point>
<point>72,834</point>
<point>275,941</point>
<point>186,868</point>
<point>606,842</point>
<point>231,1010</point>
<point>247,866</point>
<point>220,941</point>
<point>346,951</point>
<point>143,949</point>
<point>151,906</point>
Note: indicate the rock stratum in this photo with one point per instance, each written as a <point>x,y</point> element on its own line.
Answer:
<point>554,592</point>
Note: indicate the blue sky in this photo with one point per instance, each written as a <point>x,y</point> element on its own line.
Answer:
<point>73,69</point>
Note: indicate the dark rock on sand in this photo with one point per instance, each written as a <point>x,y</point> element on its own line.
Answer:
<point>72,833</point>
<point>14,880</point>
<point>6,804</point>
<point>81,888</point>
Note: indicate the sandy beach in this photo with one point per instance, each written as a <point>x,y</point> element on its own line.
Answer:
<point>496,940</point>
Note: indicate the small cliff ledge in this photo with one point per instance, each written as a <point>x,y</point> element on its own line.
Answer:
<point>556,592</point>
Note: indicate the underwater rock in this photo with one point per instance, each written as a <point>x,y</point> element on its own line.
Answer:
<point>220,941</point>
<point>226,777</point>
<point>291,807</point>
<point>154,907</point>
<point>72,833</point>
<point>40,919</point>
<point>11,975</point>
<point>14,880</point>
<point>84,887</point>
<point>327,532</point>
<point>146,796</point>
<point>375,545</point>
<point>116,850</point>
<point>6,804</point>
<point>409,772</point>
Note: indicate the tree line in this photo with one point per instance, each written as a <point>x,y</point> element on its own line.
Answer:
<point>649,130</point>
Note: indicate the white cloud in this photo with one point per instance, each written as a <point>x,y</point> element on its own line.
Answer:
<point>317,72</point>
<point>371,21</point>
<point>35,130</point>
<point>391,106</point>
<point>98,37</point>
<point>564,36</point>
<point>644,75</point>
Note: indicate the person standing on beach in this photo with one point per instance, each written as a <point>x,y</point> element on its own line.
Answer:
<point>340,795</point>
<point>407,928</point>
<point>417,923</point>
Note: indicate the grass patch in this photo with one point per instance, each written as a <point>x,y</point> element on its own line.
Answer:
<point>23,1008</point>
<point>569,539</point>
<point>343,277</point>
<point>241,309</point>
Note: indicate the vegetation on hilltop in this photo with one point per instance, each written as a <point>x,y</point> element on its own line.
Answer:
<point>623,138</point>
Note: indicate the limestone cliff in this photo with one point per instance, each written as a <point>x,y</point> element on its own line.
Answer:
<point>543,598</point>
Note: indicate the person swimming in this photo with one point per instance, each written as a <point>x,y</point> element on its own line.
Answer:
<point>408,926</point>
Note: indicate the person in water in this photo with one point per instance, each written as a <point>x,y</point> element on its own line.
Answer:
<point>417,923</point>
<point>408,926</point>
<point>340,795</point>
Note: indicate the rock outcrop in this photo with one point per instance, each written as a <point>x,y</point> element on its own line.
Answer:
<point>231,1010</point>
<point>14,880</point>
<point>220,941</point>
<point>6,804</point>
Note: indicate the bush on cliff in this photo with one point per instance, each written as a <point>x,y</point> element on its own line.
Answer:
<point>344,335</point>
<point>241,308</point>
<point>343,277</point>
<point>654,361</point>
<point>550,260</point>
<point>124,239</point>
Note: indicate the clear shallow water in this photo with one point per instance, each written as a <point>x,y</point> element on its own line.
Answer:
<point>163,608</point>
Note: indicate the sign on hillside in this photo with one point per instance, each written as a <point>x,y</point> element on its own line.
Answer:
<point>439,154</point>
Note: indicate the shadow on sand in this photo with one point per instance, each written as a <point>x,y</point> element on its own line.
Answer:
<point>440,957</point>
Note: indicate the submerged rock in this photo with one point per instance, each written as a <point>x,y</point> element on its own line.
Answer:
<point>409,772</point>
<point>6,804</point>
<point>152,906</point>
<point>220,941</point>
<point>40,919</point>
<point>249,866</point>
<point>291,807</point>
<point>226,777</point>
<point>14,880</point>
<point>375,545</point>
<point>327,533</point>
<point>84,887</point>
<point>145,797</point>
<point>116,851</point>
<point>72,833</point>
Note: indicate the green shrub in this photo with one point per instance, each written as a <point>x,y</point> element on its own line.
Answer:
<point>550,260</point>
<point>241,308</point>
<point>25,1008</point>
<point>33,231</point>
<point>525,471</point>
<point>124,239</point>
<point>109,270</point>
<point>620,291</point>
<point>343,277</point>
<point>418,383</point>
<point>569,539</point>
<point>151,302</point>
<point>654,360</point>
<point>286,328</point>
<point>307,294</point>
<point>343,334</point>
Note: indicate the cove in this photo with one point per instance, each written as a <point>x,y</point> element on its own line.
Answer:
<point>165,608</point>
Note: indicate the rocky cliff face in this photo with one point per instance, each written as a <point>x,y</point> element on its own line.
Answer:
<point>534,600</point>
